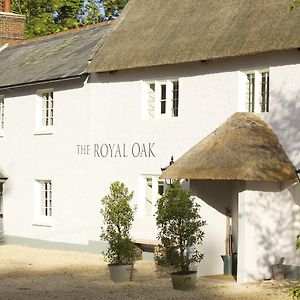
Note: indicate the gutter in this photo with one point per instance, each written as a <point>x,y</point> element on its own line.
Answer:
<point>7,87</point>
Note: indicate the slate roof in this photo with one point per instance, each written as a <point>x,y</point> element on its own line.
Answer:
<point>164,32</point>
<point>56,56</point>
<point>242,148</point>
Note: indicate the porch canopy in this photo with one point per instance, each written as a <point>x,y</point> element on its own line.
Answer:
<point>243,148</point>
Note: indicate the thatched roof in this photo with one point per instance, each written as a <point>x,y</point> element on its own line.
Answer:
<point>243,148</point>
<point>53,57</point>
<point>163,32</point>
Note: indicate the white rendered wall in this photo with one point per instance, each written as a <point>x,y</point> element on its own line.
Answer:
<point>269,221</point>
<point>108,110</point>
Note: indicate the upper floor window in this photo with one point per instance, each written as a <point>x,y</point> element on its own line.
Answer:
<point>162,99</point>
<point>45,111</point>
<point>257,91</point>
<point>1,112</point>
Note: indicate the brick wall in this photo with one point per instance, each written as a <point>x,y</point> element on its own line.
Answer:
<point>11,27</point>
<point>1,5</point>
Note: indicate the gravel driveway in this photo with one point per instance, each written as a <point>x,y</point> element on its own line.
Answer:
<point>29,273</point>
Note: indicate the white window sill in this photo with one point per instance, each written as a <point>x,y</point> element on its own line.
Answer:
<point>42,223</point>
<point>46,131</point>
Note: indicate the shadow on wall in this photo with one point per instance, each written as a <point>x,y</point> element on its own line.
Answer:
<point>284,119</point>
<point>275,216</point>
<point>275,220</point>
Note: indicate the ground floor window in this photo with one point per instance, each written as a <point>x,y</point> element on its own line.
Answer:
<point>45,198</point>
<point>153,188</point>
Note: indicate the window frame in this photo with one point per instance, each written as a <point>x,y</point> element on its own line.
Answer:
<point>43,214</point>
<point>2,114</point>
<point>45,111</point>
<point>160,102</point>
<point>149,210</point>
<point>257,91</point>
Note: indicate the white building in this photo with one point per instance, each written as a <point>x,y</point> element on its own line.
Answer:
<point>156,87</point>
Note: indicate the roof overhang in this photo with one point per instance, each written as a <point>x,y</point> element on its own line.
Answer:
<point>243,148</point>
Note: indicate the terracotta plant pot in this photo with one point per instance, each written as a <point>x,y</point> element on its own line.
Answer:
<point>120,273</point>
<point>184,281</point>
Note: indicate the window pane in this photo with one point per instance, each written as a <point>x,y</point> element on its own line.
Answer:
<point>265,92</point>
<point>175,98</point>
<point>163,91</point>
<point>47,110</point>
<point>2,112</point>
<point>161,187</point>
<point>163,107</point>
<point>46,198</point>
<point>163,99</point>
<point>250,92</point>
<point>149,197</point>
<point>151,101</point>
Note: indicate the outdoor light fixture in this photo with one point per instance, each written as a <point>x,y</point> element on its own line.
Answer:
<point>168,181</point>
<point>297,173</point>
<point>3,179</point>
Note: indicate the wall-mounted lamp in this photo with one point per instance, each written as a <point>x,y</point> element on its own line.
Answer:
<point>3,179</point>
<point>297,173</point>
<point>168,181</point>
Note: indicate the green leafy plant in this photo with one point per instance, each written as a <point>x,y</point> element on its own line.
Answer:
<point>295,292</point>
<point>180,228</point>
<point>118,217</point>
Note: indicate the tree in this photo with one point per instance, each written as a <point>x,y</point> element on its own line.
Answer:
<point>49,16</point>
<point>179,228</point>
<point>118,217</point>
<point>113,8</point>
<point>91,12</point>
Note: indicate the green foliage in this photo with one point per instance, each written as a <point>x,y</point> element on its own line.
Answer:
<point>294,4</point>
<point>179,224</point>
<point>91,12</point>
<point>113,8</point>
<point>44,17</point>
<point>49,16</point>
<point>295,293</point>
<point>118,217</point>
<point>298,242</point>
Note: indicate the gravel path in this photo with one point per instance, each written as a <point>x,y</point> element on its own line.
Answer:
<point>29,273</point>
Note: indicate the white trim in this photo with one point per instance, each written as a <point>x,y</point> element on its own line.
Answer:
<point>157,114</point>
<point>39,218</point>
<point>42,117</point>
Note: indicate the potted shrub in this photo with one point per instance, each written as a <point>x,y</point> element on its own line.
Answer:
<point>118,217</point>
<point>180,230</point>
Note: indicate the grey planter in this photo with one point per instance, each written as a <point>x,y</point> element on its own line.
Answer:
<point>184,281</point>
<point>120,273</point>
<point>278,272</point>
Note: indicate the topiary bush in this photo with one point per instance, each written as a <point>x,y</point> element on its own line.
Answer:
<point>180,228</point>
<point>118,217</point>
